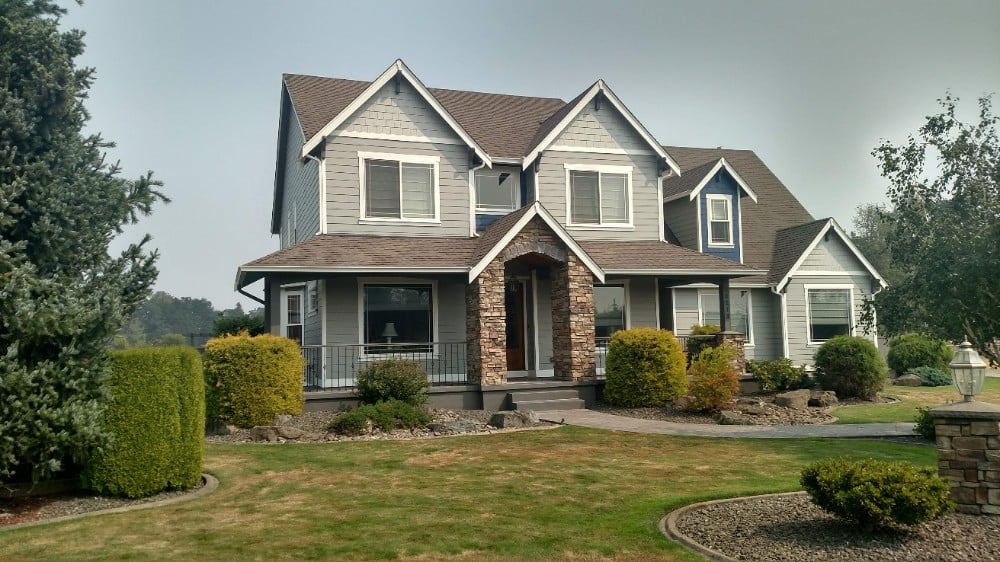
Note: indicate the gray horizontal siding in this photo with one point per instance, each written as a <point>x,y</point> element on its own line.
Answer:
<point>766,318</point>
<point>604,128</point>
<point>645,217</point>
<point>799,349</point>
<point>681,216</point>
<point>343,187</point>
<point>831,255</point>
<point>300,194</point>
<point>642,302</point>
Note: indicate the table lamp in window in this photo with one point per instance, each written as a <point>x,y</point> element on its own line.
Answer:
<point>389,332</point>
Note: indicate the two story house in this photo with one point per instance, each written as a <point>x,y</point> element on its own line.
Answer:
<point>500,240</point>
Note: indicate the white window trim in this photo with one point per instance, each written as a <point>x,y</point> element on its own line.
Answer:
<point>706,293</point>
<point>285,292</point>
<point>729,218</point>
<point>516,173</point>
<point>364,281</point>
<point>402,159</point>
<point>600,169</point>
<point>807,288</point>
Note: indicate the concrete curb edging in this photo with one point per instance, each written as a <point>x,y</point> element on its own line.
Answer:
<point>668,525</point>
<point>210,483</point>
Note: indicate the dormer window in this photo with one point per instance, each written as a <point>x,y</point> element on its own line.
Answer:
<point>599,196</point>
<point>720,220</point>
<point>399,187</point>
<point>497,192</point>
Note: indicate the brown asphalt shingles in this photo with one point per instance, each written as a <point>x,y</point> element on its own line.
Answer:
<point>789,245</point>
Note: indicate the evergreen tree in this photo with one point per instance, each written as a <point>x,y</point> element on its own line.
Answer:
<point>62,296</point>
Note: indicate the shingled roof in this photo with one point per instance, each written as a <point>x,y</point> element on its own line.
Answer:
<point>502,124</point>
<point>789,245</point>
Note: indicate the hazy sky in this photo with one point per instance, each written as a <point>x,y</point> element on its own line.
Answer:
<point>190,89</point>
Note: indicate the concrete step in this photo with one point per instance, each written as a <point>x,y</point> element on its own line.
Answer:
<point>522,395</point>
<point>551,404</point>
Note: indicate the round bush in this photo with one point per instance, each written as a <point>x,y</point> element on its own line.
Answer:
<point>930,376</point>
<point>644,367</point>
<point>777,375</point>
<point>909,351</point>
<point>393,379</point>
<point>925,424</point>
<point>714,380</point>
<point>850,366</point>
<point>877,494</point>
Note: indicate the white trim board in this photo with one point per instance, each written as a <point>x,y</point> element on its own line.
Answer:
<point>830,225</point>
<point>711,174</point>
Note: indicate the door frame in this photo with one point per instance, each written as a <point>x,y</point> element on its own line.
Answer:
<point>522,328</point>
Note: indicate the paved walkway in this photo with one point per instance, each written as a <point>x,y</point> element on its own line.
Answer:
<point>600,420</point>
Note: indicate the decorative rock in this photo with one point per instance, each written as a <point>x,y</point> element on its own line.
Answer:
<point>290,432</point>
<point>794,399</point>
<point>823,399</point>
<point>753,409</point>
<point>749,401</point>
<point>682,403</point>
<point>264,433</point>
<point>520,418</point>
<point>908,380</point>
<point>282,419</point>
<point>729,417</point>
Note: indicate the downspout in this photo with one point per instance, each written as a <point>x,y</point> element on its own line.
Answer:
<point>472,198</point>
<point>321,172</point>
<point>664,175</point>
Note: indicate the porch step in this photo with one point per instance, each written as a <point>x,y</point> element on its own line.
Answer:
<point>543,400</point>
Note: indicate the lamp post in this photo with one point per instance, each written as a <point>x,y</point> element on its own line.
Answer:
<point>968,370</point>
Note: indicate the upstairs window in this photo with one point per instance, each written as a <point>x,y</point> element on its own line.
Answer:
<point>399,187</point>
<point>497,191</point>
<point>720,220</point>
<point>829,313</point>
<point>599,196</point>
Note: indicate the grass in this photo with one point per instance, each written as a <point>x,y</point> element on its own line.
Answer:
<point>565,494</point>
<point>910,398</point>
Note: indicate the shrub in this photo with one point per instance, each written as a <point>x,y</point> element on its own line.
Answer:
<point>253,324</point>
<point>644,367</point>
<point>393,379</point>
<point>925,424</point>
<point>876,493</point>
<point>383,415</point>
<point>695,345</point>
<point>777,375</point>
<point>156,416</point>
<point>252,379</point>
<point>909,351</point>
<point>851,367</point>
<point>930,376</point>
<point>714,380</point>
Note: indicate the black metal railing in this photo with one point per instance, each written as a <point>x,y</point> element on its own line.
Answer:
<point>335,367</point>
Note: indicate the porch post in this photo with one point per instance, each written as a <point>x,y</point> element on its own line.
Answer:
<point>725,310</point>
<point>573,320</point>
<point>485,326</point>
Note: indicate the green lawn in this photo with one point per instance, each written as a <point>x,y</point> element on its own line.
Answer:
<point>910,399</point>
<point>563,494</point>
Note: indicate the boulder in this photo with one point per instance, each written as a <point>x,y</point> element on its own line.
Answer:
<point>519,418</point>
<point>908,380</point>
<point>290,432</point>
<point>823,399</point>
<point>264,433</point>
<point>753,409</point>
<point>282,419</point>
<point>729,417</point>
<point>793,399</point>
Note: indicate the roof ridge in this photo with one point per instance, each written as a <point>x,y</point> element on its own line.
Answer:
<point>495,94</point>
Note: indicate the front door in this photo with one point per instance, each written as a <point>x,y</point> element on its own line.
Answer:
<point>515,325</point>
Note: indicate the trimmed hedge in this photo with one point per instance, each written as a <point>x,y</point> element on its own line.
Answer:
<point>393,379</point>
<point>909,351</point>
<point>851,367</point>
<point>714,380</point>
<point>644,367</point>
<point>877,494</point>
<point>252,379</point>
<point>156,416</point>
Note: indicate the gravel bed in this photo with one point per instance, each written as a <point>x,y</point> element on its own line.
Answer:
<point>768,414</point>
<point>792,528</point>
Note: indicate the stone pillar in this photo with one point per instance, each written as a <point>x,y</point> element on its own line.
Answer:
<point>573,320</point>
<point>734,339</point>
<point>485,327</point>
<point>968,448</point>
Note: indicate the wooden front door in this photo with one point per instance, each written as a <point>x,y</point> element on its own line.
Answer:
<point>515,325</point>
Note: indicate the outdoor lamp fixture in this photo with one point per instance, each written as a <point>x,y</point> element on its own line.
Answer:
<point>969,371</point>
<point>390,332</point>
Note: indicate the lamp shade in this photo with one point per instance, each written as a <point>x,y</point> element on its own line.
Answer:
<point>968,370</point>
<point>390,330</point>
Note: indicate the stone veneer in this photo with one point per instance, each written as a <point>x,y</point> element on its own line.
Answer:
<point>572,310</point>
<point>736,340</point>
<point>968,448</point>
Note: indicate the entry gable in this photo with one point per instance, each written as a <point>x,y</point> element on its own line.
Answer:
<point>499,234</point>
<point>579,122</point>
<point>393,77</point>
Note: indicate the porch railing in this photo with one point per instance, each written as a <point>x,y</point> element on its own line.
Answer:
<point>335,367</point>
<point>601,347</point>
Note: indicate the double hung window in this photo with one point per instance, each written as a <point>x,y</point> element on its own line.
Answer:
<point>720,220</point>
<point>599,197</point>
<point>829,313</point>
<point>400,187</point>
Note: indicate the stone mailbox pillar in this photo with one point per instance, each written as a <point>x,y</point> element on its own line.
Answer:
<point>968,448</point>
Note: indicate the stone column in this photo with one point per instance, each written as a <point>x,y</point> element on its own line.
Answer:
<point>573,320</point>
<point>968,448</point>
<point>734,339</point>
<point>485,327</point>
